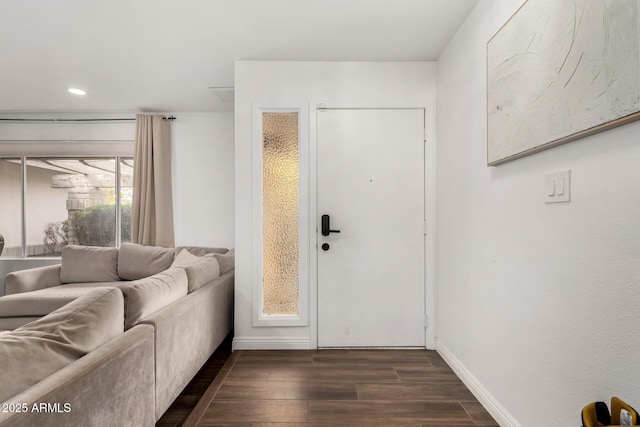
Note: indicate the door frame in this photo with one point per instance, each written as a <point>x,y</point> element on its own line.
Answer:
<point>429,213</point>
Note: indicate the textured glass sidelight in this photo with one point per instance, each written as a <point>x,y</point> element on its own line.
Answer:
<point>280,213</point>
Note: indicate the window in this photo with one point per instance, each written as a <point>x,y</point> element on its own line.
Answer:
<point>280,287</point>
<point>280,233</point>
<point>67,200</point>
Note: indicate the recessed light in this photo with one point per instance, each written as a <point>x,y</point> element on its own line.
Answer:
<point>77,91</point>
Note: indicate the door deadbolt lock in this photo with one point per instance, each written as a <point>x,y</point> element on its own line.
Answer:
<point>325,246</point>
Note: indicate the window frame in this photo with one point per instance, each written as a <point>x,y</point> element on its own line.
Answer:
<point>24,196</point>
<point>259,318</point>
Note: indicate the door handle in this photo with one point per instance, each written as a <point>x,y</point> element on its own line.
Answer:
<point>326,228</point>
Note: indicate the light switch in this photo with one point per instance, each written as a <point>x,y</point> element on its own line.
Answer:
<point>551,186</point>
<point>557,187</point>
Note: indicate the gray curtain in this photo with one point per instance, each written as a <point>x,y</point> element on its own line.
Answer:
<point>152,211</point>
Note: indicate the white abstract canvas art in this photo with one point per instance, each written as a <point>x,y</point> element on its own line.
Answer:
<point>560,70</point>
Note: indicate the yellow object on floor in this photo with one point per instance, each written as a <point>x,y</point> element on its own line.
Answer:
<point>597,414</point>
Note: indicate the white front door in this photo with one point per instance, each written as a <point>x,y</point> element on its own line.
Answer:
<point>371,288</point>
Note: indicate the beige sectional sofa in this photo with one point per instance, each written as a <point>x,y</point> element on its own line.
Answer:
<point>122,366</point>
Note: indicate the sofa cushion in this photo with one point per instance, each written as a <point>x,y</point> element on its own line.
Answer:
<point>31,279</point>
<point>38,349</point>
<point>201,250</point>
<point>200,269</point>
<point>10,323</point>
<point>89,264</point>
<point>137,261</point>
<point>44,301</point>
<point>146,296</point>
<point>226,261</point>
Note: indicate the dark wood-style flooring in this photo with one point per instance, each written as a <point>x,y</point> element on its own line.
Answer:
<point>325,388</point>
<point>177,413</point>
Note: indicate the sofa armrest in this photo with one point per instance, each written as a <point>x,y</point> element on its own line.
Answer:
<point>32,279</point>
<point>113,386</point>
<point>187,332</point>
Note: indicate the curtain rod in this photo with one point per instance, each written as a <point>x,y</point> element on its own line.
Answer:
<point>170,118</point>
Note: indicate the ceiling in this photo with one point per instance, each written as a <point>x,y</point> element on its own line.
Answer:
<point>160,55</point>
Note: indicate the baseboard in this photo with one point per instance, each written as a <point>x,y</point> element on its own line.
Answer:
<point>497,411</point>
<point>271,343</point>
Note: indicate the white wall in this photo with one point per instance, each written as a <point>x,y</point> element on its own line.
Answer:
<point>202,162</point>
<point>537,303</point>
<point>295,85</point>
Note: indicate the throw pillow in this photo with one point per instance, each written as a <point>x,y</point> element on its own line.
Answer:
<point>200,269</point>
<point>81,264</point>
<point>226,261</point>
<point>144,297</point>
<point>137,261</point>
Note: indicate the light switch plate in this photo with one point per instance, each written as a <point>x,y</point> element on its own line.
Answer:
<point>557,187</point>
